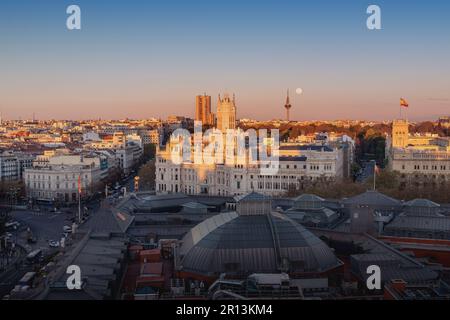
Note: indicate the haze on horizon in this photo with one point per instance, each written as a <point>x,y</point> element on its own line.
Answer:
<point>135,59</point>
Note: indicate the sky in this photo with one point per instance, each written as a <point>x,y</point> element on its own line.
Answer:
<point>142,59</point>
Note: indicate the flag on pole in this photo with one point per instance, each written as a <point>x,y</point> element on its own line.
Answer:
<point>404,103</point>
<point>377,170</point>
<point>79,184</point>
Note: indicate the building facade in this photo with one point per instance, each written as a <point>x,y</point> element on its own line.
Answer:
<point>13,164</point>
<point>127,153</point>
<point>203,110</point>
<point>419,159</point>
<point>298,166</point>
<point>59,178</point>
<point>226,113</point>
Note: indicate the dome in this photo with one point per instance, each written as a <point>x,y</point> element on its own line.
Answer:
<point>241,244</point>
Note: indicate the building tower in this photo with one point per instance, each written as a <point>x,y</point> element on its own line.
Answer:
<point>287,106</point>
<point>400,133</point>
<point>203,110</point>
<point>226,113</point>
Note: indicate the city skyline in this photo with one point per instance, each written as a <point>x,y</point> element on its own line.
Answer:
<point>151,60</point>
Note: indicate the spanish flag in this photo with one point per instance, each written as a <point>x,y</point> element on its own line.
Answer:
<point>404,103</point>
<point>79,184</point>
<point>377,170</point>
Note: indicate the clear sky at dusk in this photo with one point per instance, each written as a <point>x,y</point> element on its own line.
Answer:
<point>150,58</point>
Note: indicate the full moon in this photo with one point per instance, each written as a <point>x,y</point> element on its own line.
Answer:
<point>299,91</point>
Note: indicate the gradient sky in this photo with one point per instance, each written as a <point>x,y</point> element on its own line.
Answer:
<point>150,58</point>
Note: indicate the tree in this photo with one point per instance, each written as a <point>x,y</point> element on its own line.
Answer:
<point>149,151</point>
<point>330,189</point>
<point>2,225</point>
<point>11,192</point>
<point>114,175</point>
<point>147,176</point>
<point>388,180</point>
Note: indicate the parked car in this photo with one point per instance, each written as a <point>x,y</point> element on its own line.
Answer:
<point>53,243</point>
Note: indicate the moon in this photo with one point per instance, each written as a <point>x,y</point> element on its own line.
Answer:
<point>299,91</point>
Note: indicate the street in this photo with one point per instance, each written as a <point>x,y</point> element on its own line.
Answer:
<point>44,226</point>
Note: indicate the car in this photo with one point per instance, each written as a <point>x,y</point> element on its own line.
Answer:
<point>12,225</point>
<point>53,243</point>
<point>67,229</point>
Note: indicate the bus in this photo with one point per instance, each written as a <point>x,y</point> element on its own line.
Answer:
<point>34,256</point>
<point>28,279</point>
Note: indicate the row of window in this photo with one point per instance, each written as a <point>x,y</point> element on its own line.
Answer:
<point>428,167</point>
<point>74,177</point>
<point>43,186</point>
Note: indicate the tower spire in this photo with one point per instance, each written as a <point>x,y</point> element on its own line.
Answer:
<point>287,106</point>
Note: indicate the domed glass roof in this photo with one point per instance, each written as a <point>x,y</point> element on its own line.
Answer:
<point>242,244</point>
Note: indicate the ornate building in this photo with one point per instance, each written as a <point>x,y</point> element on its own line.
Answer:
<point>418,158</point>
<point>226,113</point>
<point>298,166</point>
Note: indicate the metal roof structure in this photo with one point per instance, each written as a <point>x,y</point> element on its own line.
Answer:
<point>307,148</point>
<point>244,244</point>
<point>309,198</point>
<point>422,223</point>
<point>422,203</point>
<point>253,196</point>
<point>109,220</point>
<point>100,260</point>
<point>372,198</point>
<point>394,264</point>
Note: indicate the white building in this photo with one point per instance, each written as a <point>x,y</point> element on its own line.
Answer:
<point>8,166</point>
<point>13,164</point>
<point>57,180</point>
<point>153,136</point>
<point>128,153</point>
<point>419,159</point>
<point>298,166</point>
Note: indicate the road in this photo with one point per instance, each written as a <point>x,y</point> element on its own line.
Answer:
<point>366,172</point>
<point>45,226</point>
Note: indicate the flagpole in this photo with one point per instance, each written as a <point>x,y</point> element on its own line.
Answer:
<point>79,208</point>
<point>374,178</point>
<point>374,175</point>
<point>79,199</point>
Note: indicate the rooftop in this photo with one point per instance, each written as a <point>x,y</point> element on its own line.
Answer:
<point>372,198</point>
